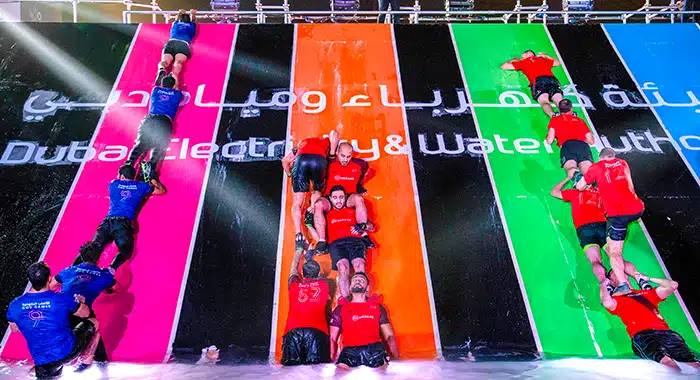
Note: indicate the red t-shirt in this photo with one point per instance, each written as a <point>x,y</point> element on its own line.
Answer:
<point>349,176</point>
<point>568,127</point>
<point>535,67</point>
<point>639,311</point>
<point>586,206</point>
<point>617,197</point>
<point>307,304</point>
<point>339,223</point>
<point>315,145</point>
<point>359,322</point>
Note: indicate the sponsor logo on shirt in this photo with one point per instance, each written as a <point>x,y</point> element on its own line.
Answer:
<point>343,178</point>
<point>341,220</point>
<point>356,318</point>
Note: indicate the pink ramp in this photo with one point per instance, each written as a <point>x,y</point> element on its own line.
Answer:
<point>137,320</point>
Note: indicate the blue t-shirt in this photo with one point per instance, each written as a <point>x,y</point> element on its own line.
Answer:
<point>183,31</point>
<point>125,196</point>
<point>164,101</point>
<point>86,279</point>
<point>43,319</point>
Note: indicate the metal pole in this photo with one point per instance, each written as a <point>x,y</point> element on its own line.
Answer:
<point>75,10</point>
<point>154,6</point>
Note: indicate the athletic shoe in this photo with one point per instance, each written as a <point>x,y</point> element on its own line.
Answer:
<point>609,288</point>
<point>309,218</point>
<point>81,367</point>
<point>299,241</point>
<point>621,290</point>
<point>321,247</point>
<point>309,255</point>
<point>146,171</point>
<point>644,284</point>
<point>368,242</point>
<point>161,74</point>
<point>577,177</point>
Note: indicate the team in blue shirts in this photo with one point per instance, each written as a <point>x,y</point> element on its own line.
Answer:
<point>55,316</point>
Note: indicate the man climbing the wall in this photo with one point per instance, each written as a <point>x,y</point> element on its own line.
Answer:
<point>573,137</point>
<point>307,164</point>
<point>589,220</point>
<point>348,172</point>
<point>621,204</point>
<point>85,278</point>
<point>544,85</point>
<point>125,197</point>
<point>346,244</point>
<point>651,336</point>
<point>306,338</point>
<point>155,129</point>
<point>177,50</point>
<point>42,316</point>
<point>363,323</point>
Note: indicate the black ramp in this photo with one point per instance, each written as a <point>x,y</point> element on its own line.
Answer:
<point>477,296</point>
<point>230,287</point>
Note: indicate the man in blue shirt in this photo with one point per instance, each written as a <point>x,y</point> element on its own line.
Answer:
<point>178,46</point>
<point>43,317</point>
<point>88,280</point>
<point>155,129</point>
<point>125,197</point>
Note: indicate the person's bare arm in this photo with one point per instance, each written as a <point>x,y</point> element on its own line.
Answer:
<point>13,327</point>
<point>388,335</point>
<point>581,184</point>
<point>54,285</point>
<point>193,15</point>
<point>84,310</point>
<point>508,65</point>
<point>556,61</point>
<point>665,288</point>
<point>628,175</point>
<point>589,139</point>
<point>287,162</point>
<point>294,270</point>
<point>550,136</point>
<point>606,299</point>
<point>335,333</point>
<point>158,188</point>
<point>334,137</point>
<point>556,190</point>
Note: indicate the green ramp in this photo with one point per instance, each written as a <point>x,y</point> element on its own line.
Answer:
<point>561,290</point>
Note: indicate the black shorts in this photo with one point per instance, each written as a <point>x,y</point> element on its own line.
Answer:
<point>617,226</point>
<point>372,355</point>
<point>305,346</point>
<point>546,85</point>
<point>655,344</point>
<point>309,167</point>
<point>347,248</point>
<point>576,150</point>
<point>83,333</point>
<point>175,47</point>
<point>155,131</point>
<point>592,233</point>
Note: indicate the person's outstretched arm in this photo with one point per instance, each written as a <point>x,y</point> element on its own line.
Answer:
<point>335,333</point>
<point>334,137</point>
<point>606,299</point>
<point>294,270</point>
<point>158,188</point>
<point>193,14</point>
<point>665,288</point>
<point>556,190</point>
<point>508,65</point>
<point>388,335</point>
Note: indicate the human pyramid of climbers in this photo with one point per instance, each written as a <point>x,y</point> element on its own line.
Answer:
<point>55,315</point>
<point>336,221</point>
<point>603,205</point>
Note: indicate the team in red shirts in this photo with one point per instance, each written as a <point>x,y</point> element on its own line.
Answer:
<point>544,85</point>
<point>573,137</point>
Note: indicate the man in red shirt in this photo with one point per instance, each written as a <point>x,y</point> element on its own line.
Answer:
<point>651,336</point>
<point>305,338</point>
<point>621,204</point>
<point>348,172</point>
<point>344,236</point>
<point>363,323</point>
<point>589,221</point>
<point>307,164</point>
<point>544,85</point>
<point>573,138</point>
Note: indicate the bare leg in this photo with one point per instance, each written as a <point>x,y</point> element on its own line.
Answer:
<point>695,365</point>
<point>556,98</point>
<point>546,106</point>
<point>583,166</point>
<point>670,363</point>
<point>165,62</point>
<point>593,254</point>
<point>297,201</point>
<point>180,60</point>
<point>344,277</point>
<point>358,202</point>
<point>616,261</point>
<point>570,168</point>
<point>358,265</point>
<point>320,208</point>
<point>87,356</point>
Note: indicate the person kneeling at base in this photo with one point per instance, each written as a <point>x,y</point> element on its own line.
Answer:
<point>43,317</point>
<point>651,336</point>
<point>305,339</point>
<point>363,323</point>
